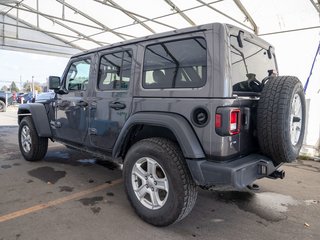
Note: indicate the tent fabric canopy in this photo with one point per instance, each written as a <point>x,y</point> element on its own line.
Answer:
<point>65,27</point>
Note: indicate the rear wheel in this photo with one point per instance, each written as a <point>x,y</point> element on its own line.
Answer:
<point>158,183</point>
<point>32,147</point>
<point>281,119</point>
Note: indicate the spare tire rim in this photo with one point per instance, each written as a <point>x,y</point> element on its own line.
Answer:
<point>295,119</point>
<point>150,183</point>
<point>26,139</point>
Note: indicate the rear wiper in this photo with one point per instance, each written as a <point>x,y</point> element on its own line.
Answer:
<point>269,52</point>
<point>240,38</point>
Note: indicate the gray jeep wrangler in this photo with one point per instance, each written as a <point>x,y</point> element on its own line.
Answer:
<point>201,106</point>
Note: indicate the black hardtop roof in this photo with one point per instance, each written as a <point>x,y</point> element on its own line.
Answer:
<point>150,37</point>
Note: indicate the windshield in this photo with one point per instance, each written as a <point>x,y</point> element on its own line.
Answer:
<point>250,65</point>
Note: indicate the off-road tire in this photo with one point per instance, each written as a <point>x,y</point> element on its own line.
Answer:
<point>39,145</point>
<point>273,119</point>
<point>182,189</point>
<point>2,106</point>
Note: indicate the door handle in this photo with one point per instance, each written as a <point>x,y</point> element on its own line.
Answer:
<point>82,104</point>
<point>117,105</point>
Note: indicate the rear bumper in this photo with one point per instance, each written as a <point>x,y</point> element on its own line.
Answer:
<point>237,173</point>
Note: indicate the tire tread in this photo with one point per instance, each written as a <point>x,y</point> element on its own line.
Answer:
<point>272,117</point>
<point>189,186</point>
<point>40,143</point>
<point>187,191</point>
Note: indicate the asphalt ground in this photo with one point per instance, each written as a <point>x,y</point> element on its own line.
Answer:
<point>71,195</point>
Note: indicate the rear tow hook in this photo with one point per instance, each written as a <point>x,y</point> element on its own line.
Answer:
<point>277,174</point>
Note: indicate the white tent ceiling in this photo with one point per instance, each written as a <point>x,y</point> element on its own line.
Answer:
<point>64,27</point>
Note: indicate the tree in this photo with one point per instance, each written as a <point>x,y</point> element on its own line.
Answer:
<point>14,87</point>
<point>37,88</point>
<point>27,86</point>
<point>4,88</point>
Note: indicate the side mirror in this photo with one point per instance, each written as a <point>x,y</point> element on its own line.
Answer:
<point>54,83</point>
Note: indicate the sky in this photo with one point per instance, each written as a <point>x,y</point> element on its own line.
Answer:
<point>20,65</point>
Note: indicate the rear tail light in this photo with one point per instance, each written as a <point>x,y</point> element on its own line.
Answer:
<point>218,120</point>
<point>234,122</point>
<point>227,121</point>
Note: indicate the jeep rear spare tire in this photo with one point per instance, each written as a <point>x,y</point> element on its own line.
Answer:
<point>158,184</point>
<point>281,118</point>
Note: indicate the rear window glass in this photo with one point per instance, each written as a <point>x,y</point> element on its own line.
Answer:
<point>250,65</point>
<point>176,64</point>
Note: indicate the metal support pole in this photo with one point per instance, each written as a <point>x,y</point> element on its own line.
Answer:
<point>2,30</point>
<point>312,66</point>
<point>32,87</point>
<point>131,16</point>
<point>38,13</point>
<point>17,22</point>
<point>62,9</point>
<point>181,13</point>
<point>6,101</point>
<point>316,6</point>
<point>248,16</point>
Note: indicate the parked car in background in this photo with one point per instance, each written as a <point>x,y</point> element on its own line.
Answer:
<point>18,97</point>
<point>25,98</point>
<point>44,97</point>
<point>3,99</point>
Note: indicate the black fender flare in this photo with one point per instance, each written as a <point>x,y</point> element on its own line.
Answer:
<point>39,116</point>
<point>178,125</point>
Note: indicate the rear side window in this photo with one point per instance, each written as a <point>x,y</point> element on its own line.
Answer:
<point>115,71</point>
<point>176,64</point>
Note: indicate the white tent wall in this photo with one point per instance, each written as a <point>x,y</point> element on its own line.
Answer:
<point>19,36</point>
<point>92,23</point>
<point>311,145</point>
<point>295,53</point>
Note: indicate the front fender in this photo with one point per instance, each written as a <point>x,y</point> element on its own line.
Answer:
<point>178,125</point>
<point>39,116</point>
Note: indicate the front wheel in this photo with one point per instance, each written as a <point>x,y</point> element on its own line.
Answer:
<point>32,147</point>
<point>2,106</point>
<point>158,183</point>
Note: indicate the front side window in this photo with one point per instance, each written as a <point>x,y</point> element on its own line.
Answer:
<point>176,64</point>
<point>115,71</point>
<point>78,75</point>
